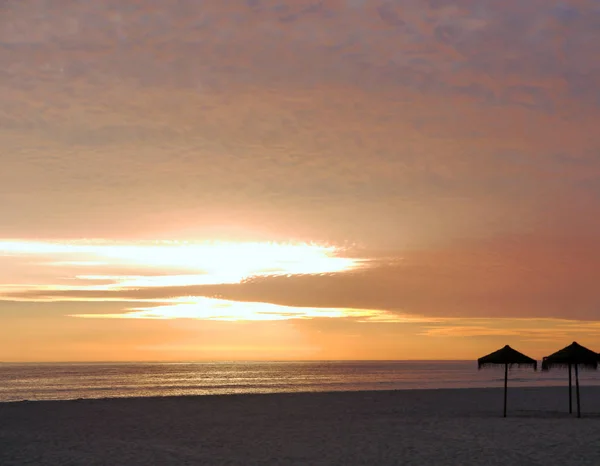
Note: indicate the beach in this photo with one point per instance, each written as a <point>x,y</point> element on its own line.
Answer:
<point>407,427</point>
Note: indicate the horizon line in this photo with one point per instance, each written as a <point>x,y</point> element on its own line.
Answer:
<point>238,361</point>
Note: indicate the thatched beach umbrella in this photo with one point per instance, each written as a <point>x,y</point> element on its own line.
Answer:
<point>506,357</point>
<point>573,355</point>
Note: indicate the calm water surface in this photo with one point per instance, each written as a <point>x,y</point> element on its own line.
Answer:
<point>102,380</point>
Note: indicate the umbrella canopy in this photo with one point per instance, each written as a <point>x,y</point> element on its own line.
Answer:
<point>574,354</point>
<point>505,356</point>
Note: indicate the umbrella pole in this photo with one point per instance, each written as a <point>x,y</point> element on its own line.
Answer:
<point>577,389</point>
<point>505,386</point>
<point>570,390</point>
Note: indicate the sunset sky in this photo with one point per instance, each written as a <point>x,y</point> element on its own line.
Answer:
<point>298,179</point>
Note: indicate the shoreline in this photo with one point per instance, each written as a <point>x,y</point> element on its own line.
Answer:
<point>303,393</point>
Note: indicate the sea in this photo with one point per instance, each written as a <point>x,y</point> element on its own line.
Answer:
<point>66,381</point>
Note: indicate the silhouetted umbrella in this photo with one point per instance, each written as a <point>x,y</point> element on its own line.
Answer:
<point>572,355</point>
<point>506,357</point>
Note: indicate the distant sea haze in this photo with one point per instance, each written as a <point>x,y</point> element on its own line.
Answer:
<point>105,380</point>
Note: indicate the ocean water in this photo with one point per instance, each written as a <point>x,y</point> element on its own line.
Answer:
<point>102,380</point>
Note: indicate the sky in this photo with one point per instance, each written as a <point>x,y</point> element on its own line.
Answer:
<point>298,179</point>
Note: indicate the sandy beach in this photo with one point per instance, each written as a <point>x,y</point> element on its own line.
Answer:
<point>408,427</point>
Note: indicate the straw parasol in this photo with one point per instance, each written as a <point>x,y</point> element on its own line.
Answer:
<point>572,355</point>
<point>506,357</point>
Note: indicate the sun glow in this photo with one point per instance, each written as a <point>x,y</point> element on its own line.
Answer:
<point>194,307</point>
<point>174,263</point>
<point>98,271</point>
